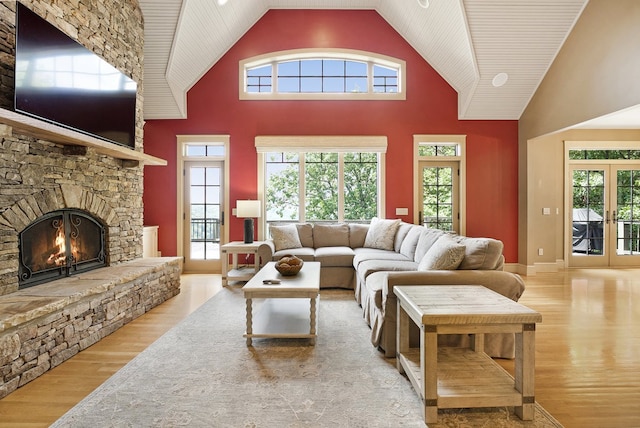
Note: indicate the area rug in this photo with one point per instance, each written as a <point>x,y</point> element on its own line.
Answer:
<point>202,374</point>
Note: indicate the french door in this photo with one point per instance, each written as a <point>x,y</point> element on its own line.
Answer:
<point>203,220</point>
<point>604,219</point>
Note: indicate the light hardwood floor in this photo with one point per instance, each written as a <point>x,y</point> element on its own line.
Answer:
<point>587,350</point>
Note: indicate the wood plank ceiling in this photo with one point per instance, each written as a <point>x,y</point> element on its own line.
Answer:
<point>467,41</point>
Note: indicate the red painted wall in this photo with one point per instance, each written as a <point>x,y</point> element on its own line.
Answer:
<point>430,108</point>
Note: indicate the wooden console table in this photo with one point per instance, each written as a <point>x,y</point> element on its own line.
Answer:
<point>459,377</point>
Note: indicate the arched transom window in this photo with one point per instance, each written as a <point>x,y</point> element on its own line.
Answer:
<point>322,74</point>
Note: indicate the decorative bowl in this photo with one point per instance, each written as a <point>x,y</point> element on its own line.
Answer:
<point>289,265</point>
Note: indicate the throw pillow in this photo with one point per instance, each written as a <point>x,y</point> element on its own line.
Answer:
<point>331,235</point>
<point>410,242</point>
<point>285,237</point>
<point>401,233</point>
<point>381,234</point>
<point>428,237</point>
<point>305,233</point>
<point>445,254</point>
<point>357,234</point>
<point>480,253</point>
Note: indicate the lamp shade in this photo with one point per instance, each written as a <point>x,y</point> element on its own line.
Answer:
<point>248,209</point>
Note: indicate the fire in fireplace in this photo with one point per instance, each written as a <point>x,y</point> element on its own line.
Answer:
<point>58,244</point>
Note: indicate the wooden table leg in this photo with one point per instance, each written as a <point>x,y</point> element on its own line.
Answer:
<point>312,317</point>
<point>402,335</point>
<point>225,268</point>
<point>525,371</point>
<point>429,369</point>
<point>477,342</point>
<point>249,321</point>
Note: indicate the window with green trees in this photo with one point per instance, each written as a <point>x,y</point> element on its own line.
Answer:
<point>321,186</point>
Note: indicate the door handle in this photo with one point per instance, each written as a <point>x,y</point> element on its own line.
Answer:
<point>222,218</point>
<point>420,218</point>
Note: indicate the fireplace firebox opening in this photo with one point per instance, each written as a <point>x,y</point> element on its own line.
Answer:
<point>58,244</point>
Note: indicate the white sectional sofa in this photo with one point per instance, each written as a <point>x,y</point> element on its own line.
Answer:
<point>371,259</point>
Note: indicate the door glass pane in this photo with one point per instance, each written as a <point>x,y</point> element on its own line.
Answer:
<point>213,194</point>
<point>204,192</point>
<point>213,176</point>
<point>588,212</point>
<point>197,176</point>
<point>628,212</point>
<point>197,194</point>
<point>437,198</point>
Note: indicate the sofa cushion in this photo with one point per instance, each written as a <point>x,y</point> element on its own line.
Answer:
<point>410,242</point>
<point>480,253</point>
<point>363,254</point>
<point>335,256</point>
<point>381,234</point>
<point>357,234</point>
<point>331,235</point>
<point>367,267</point>
<point>285,236</point>
<point>305,233</point>
<point>445,254</point>
<point>428,237</point>
<point>306,254</point>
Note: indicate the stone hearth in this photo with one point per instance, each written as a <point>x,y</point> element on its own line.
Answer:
<point>42,326</point>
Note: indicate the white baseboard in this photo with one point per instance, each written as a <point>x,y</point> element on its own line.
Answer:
<point>530,270</point>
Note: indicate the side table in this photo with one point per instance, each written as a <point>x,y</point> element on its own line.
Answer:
<point>234,272</point>
<point>458,377</point>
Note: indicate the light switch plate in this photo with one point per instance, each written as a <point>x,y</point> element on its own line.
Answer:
<point>402,211</point>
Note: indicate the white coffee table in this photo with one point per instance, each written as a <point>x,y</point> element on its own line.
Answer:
<point>281,314</point>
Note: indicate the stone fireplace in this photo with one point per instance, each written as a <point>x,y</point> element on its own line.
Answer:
<point>59,244</point>
<point>50,179</point>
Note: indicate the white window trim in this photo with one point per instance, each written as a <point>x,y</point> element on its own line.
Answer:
<point>598,145</point>
<point>316,144</point>
<point>461,140</point>
<point>344,54</point>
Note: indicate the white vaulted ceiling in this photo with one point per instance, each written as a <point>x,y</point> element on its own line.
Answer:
<point>467,41</point>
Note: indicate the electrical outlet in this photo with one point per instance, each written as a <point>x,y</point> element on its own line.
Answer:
<point>540,252</point>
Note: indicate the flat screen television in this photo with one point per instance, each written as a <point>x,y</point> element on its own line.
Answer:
<point>60,81</point>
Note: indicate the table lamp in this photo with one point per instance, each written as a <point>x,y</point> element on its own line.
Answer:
<point>248,210</point>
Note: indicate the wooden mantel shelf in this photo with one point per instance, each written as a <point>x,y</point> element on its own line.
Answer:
<point>40,129</point>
